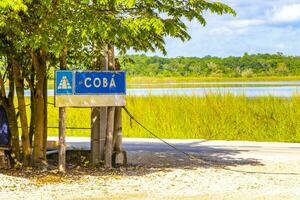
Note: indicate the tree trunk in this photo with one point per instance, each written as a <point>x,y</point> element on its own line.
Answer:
<point>98,115</point>
<point>114,122</point>
<point>103,112</point>
<point>109,137</point>
<point>39,63</point>
<point>13,125</point>
<point>118,121</point>
<point>62,121</point>
<point>117,140</point>
<point>45,91</point>
<point>32,106</point>
<point>11,115</point>
<point>19,82</point>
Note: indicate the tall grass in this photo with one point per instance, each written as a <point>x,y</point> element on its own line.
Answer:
<point>225,117</point>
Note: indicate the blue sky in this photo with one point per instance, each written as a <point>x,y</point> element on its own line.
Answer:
<point>261,26</point>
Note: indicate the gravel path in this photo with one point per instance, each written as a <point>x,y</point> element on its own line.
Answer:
<point>161,176</point>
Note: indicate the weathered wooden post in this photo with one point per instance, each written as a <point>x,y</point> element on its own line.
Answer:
<point>62,142</point>
<point>114,154</point>
<point>103,112</point>
<point>119,155</point>
<point>95,140</point>
<point>102,132</point>
<point>109,137</point>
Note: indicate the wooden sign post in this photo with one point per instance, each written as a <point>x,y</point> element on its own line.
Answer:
<point>91,89</point>
<point>62,140</point>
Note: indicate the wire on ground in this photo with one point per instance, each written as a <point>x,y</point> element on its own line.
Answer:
<point>132,118</point>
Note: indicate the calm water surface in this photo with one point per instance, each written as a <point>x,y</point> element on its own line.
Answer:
<point>282,89</point>
<point>283,83</point>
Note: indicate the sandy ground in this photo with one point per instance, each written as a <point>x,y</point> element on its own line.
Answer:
<point>162,176</point>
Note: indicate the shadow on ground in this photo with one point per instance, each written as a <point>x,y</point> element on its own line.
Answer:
<point>140,162</point>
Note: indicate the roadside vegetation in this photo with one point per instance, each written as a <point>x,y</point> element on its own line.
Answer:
<point>179,79</point>
<point>256,67</point>
<point>225,117</point>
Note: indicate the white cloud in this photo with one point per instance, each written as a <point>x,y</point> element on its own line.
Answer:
<point>268,26</point>
<point>245,23</point>
<point>235,27</point>
<point>287,13</point>
<point>226,31</point>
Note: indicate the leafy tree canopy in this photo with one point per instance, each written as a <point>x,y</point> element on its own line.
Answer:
<point>141,25</point>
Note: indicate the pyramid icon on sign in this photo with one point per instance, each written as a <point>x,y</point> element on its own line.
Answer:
<point>64,84</point>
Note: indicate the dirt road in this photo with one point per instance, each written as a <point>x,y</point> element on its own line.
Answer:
<point>231,170</point>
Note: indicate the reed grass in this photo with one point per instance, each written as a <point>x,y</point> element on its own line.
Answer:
<point>218,117</point>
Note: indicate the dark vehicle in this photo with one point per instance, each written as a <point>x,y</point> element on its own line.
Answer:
<point>4,129</point>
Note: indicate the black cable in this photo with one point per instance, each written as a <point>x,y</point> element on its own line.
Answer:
<point>177,149</point>
<point>50,103</point>
<point>172,146</point>
<point>17,108</point>
<point>72,128</point>
<point>201,160</point>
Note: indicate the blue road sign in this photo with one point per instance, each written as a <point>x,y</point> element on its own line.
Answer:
<point>64,82</point>
<point>90,83</point>
<point>100,83</point>
<point>89,89</point>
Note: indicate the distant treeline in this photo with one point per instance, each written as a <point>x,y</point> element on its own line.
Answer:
<point>244,66</point>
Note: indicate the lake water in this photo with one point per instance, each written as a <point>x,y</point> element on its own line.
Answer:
<point>257,83</point>
<point>282,89</point>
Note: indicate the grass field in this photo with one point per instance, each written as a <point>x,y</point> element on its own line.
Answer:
<point>224,117</point>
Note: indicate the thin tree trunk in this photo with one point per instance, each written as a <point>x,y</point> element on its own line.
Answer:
<point>45,91</point>
<point>118,121</point>
<point>98,115</point>
<point>117,140</point>
<point>11,115</point>
<point>62,121</point>
<point>95,117</point>
<point>13,125</point>
<point>39,62</point>
<point>117,135</point>
<point>110,114</point>
<point>103,111</point>
<point>32,106</point>
<point>111,57</point>
<point>19,82</point>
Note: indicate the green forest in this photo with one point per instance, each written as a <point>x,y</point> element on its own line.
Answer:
<point>209,66</point>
